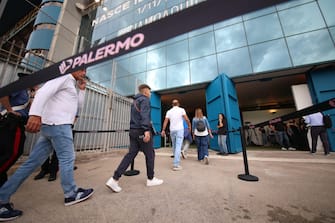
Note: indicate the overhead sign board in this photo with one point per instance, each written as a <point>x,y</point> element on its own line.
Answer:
<point>200,15</point>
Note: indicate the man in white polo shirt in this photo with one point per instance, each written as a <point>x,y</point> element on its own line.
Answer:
<point>176,115</point>
<point>52,113</point>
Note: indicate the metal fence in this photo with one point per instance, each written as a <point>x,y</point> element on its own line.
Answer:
<point>102,110</point>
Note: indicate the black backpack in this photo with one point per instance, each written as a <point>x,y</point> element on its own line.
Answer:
<point>327,121</point>
<point>201,126</point>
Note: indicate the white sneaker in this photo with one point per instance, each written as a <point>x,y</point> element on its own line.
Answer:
<point>206,160</point>
<point>113,185</point>
<point>154,182</point>
<point>291,149</point>
<point>176,168</point>
<point>283,148</point>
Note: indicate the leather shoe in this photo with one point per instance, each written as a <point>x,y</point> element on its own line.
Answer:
<point>40,175</point>
<point>52,177</point>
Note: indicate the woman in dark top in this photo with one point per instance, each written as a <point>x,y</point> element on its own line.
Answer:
<point>222,134</point>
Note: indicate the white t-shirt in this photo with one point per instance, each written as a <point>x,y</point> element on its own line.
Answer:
<point>175,115</point>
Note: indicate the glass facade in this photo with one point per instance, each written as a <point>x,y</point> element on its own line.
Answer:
<point>291,34</point>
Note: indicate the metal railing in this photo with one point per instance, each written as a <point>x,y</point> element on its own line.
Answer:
<point>103,122</point>
<point>104,111</point>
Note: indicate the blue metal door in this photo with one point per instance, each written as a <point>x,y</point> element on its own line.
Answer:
<point>321,83</point>
<point>221,97</point>
<point>156,112</point>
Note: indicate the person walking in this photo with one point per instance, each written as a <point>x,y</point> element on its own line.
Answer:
<point>140,135</point>
<point>50,166</point>
<point>187,140</point>
<point>52,113</point>
<point>281,136</point>
<point>222,134</point>
<point>200,131</point>
<point>315,121</point>
<point>175,116</point>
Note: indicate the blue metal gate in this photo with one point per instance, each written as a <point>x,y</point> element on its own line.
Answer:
<point>321,83</point>
<point>221,97</point>
<point>156,112</point>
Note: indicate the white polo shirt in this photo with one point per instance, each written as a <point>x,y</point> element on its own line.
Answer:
<point>175,115</point>
<point>57,101</point>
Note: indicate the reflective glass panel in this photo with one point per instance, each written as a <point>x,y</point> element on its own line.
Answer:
<point>228,22</point>
<point>204,69</point>
<point>328,8</point>
<point>332,32</point>
<point>260,12</point>
<point>150,10</point>
<point>263,28</point>
<point>122,67</point>
<point>101,72</point>
<point>311,47</point>
<point>230,37</point>
<point>300,19</point>
<point>178,75</point>
<point>235,62</point>
<point>292,3</point>
<point>137,63</point>
<point>200,31</point>
<point>156,58</point>
<point>137,79</point>
<point>156,79</point>
<point>177,38</point>
<point>176,53</point>
<point>124,86</point>
<point>270,56</point>
<point>155,46</point>
<point>171,3</point>
<point>202,45</point>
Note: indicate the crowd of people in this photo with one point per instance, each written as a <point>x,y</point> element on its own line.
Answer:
<point>292,134</point>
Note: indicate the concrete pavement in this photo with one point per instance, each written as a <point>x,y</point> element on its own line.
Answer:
<point>293,186</point>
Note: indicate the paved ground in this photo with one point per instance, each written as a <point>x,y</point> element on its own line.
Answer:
<point>293,187</point>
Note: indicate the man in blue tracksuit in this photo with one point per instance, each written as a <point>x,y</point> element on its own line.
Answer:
<point>140,140</point>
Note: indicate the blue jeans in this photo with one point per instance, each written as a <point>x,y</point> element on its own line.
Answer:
<point>177,138</point>
<point>282,139</point>
<point>58,137</point>
<point>202,144</point>
<point>222,143</point>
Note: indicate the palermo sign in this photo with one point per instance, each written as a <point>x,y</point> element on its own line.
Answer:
<point>203,14</point>
<point>102,52</point>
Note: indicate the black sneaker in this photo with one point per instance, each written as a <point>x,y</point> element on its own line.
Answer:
<point>81,195</point>
<point>52,177</point>
<point>40,175</point>
<point>7,212</point>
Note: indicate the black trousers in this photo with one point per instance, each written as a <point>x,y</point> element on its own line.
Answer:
<point>12,138</point>
<point>322,132</point>
<point>136,145</point>
<point>51,164</point>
